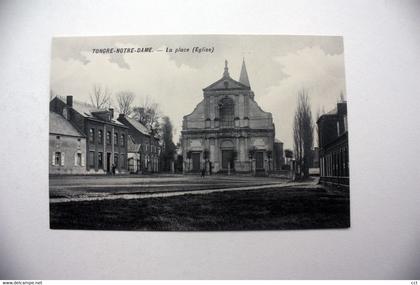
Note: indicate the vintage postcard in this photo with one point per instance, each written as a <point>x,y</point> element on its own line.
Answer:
<point>198,133</point>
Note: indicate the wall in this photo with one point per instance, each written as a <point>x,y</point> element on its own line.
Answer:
<point>195,120</point>
<point>105,148</point>
<point>382,43</point>
<point>259,118</point>
<point>68,147</point>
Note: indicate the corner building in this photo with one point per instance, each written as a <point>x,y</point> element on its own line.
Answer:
<point>106,138</point>
<point>228,131</point>
<point>334,147</point>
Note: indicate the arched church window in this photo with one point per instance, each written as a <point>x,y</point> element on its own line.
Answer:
<point>227,112</point>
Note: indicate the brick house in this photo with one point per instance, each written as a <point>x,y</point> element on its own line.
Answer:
<point>106,138</point>
<point>67,147</point>
<point>144,147</point>
<point>334,146</point>
<point>133,156</point>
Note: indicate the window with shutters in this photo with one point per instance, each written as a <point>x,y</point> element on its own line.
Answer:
<point>79,159</point>
<point>57,159</point>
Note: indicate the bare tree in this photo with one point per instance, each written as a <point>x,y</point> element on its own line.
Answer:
<point>149,115</point>
<point>303,134</point>
<point>125,100</point>
<point>318,115</point>
<point>100,97</point>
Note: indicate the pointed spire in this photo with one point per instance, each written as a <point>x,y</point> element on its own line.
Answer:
<point>226,73</point>
<point>243,78</point>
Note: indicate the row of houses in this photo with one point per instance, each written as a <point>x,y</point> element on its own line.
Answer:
<point>87,140</point>
<point>334,147</point>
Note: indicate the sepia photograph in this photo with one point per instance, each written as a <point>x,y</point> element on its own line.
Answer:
<point>209,140</point>
<point>198,133</point>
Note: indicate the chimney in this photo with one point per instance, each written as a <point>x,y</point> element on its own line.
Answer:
<point>121,116</point>
<point>111,110</point>
<point>70,101</point>
<point>342,108</point>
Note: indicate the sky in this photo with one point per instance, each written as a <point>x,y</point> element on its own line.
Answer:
<point>278,68</point>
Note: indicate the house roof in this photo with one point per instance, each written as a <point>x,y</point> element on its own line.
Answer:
<point>60,126</point>
<point>332,112</point>
<point>138,126</point>
<point>88,111</point>
<point>132,146</point>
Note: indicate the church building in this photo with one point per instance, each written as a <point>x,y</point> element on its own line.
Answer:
<point>228,131</point>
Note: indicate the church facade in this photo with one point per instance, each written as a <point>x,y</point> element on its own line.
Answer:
<point>228,131</point>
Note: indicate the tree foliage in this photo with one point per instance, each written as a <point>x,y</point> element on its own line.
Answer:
<point>303,138</point>
<point>168,146</point>
<point>149,115</point>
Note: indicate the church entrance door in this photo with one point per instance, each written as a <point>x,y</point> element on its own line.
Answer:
<point>195,156</point>
<point>259,157</point>
<point>227,159</point>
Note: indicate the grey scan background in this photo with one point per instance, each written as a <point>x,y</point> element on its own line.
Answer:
<point>382,59</point>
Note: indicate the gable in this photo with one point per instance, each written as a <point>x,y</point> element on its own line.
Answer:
<point>195,120</point>
<point>226,83</point>
<point>138,126</point>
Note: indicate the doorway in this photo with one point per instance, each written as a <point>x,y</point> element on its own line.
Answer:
<point>227,159</point>
<point>195,156</point>
<point>108,162</point>
<point>259,160</point>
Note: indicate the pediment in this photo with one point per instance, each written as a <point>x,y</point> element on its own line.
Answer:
<point>226,83</point>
